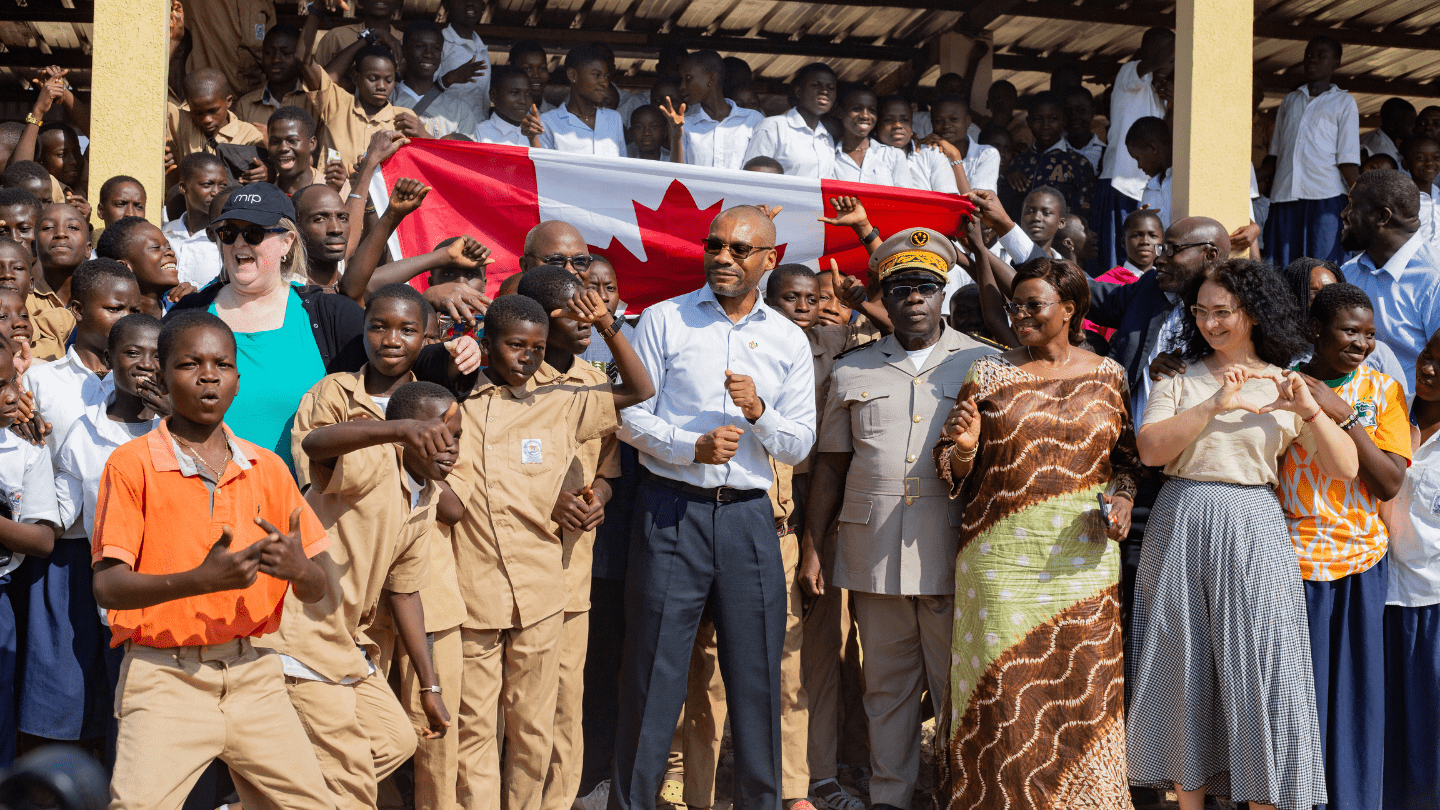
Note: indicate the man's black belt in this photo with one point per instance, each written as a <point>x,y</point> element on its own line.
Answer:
<point>709,494</point>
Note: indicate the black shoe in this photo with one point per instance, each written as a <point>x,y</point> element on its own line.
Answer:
<point>886,807</point>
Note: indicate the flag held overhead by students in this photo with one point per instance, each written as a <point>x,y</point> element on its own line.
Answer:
<point>646,217</point>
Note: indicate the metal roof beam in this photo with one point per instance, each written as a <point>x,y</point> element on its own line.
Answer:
<point>72,58</point>
<point>84,14</point>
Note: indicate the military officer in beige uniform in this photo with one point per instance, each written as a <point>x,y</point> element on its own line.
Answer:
<point>897,536</point>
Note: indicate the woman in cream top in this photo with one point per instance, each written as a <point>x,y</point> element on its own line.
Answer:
<point>1222,694</point>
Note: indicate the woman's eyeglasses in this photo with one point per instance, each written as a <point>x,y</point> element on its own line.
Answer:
<point>739,250</point>
<point>1203,315</point>
<point>254,234</point>
<point>1027,307</point>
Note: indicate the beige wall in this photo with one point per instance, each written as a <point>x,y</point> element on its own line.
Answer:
<point>1213,67</point>
<point>127,117</point>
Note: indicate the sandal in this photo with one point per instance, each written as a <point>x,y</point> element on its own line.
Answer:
<point>672,795</point>
<point>828,794</point>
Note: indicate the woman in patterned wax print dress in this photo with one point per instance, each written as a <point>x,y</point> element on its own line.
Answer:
<point>1222,695</point>
<point>1035,704</point>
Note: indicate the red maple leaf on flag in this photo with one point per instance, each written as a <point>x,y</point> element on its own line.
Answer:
<point>671,234</point>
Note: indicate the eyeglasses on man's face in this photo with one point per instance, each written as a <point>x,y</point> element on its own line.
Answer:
<point>739,250</point>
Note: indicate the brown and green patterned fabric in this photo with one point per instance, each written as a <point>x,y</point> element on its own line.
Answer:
<point>1035,706</point>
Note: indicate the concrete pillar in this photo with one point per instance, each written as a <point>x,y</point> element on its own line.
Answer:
<point>127,107</point>
<point>1213,66</point>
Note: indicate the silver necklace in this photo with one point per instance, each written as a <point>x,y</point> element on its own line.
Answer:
<point>195,454</point>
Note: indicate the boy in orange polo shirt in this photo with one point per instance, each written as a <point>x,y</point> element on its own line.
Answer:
<point>190,565</point>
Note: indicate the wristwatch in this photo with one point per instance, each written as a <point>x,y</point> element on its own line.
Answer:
<point>369,36</point>
<point>435,689</point>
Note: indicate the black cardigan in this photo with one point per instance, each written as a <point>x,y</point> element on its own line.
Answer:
<point>337,322</point>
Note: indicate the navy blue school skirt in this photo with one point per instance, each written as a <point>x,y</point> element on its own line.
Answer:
<point>1305,228</point>
<point>1412,707</point>
<point>8,644</point>
<point>66,690</point>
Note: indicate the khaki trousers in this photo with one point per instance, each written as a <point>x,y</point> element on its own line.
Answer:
<point>436,761</point>
<point>510,676</point>
<point>834,684</point>
<point>567,751</point>
<point>907,649</point>
<point>359,731</point>
<point>696,748</point>
<point>182,707</point>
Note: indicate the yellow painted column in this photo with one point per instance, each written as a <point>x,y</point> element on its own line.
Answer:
<point>1213,66</point>
<point>127,107</point>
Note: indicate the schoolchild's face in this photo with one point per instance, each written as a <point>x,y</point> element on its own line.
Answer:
<point>1428,122</point>
<point>1041,217</point>
<point>125,200</point>
<point>60,154</point>
<point>696,83</point>
<point>108,302</point>
<point>1427,371</point>
<point>14,267</point>
<point>591,81</point>
<point>829,309</point>
<point>1320,278</point>
<point>136,358</point>
<point>14,317</point>
<point>20,221</point>
<point>1346,340</point>
<point>200,376</point>
<point>799,300</point>
<point>422,50</point>
<point>568,335</point>
<point>1079,115</point>
<point>9,389</point>
<point>1147,156</point>
<point>1142,240</point>
<point>662,92</point>
<point>1047,122</point>
<point>649,131</point>
<point>152,260</point>
<point>537,70</point>
<point>280,60</point>
<point>394,335</point>
<point>437,466</point>
<point>60,237</point>
<point>210,112</point>
<point>516,353</point>
<point>896,126</point>
<point>374,81</point>
<point>1320,62</point>
<point>201,186</point>
<point>858,113</point>
<point>1423,163</point>
<point>815,93</point>
<point>292,149</point>
<point>601,279</point>
<point>511,97</point>
<point>950,121</point>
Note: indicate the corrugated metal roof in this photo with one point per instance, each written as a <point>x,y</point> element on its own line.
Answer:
<point>870,39</point>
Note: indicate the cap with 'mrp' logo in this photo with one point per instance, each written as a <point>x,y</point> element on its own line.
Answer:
<point>260,203</point>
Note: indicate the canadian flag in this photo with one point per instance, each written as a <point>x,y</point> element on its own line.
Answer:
<point>646,217</point>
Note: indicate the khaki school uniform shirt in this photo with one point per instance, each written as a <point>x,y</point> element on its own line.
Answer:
<point>346,128</point>
<point>897,524</point>
<point>338,397</point>
<point>341,397</point>
<point>50,321</point>
<point>341,37</point>
<point>227,34</point>
<point>782,496</point>
<point>516,449</point>
<point>378,544</point>
<point>187,139</point>
<point>597,458</point>
<point>256,106</point>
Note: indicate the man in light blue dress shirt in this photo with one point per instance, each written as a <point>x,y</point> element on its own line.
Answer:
<point>735,383</point>
<point>1396,266</point>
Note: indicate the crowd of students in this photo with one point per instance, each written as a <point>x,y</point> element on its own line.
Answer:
<point>275,523</point>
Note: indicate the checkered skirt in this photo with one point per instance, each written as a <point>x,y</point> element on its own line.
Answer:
<point>1222,693</point>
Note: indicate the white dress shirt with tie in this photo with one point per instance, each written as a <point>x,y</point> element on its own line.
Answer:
<point>687,344</point>
<point>720,144</point>
<point>802,151</point>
